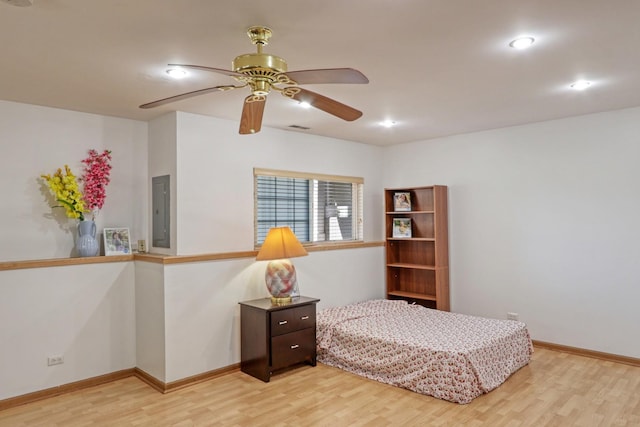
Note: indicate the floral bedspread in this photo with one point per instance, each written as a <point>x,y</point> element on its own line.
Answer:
<point>450,356</point>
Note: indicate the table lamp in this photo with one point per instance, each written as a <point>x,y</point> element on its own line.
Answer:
<point>280,277</point>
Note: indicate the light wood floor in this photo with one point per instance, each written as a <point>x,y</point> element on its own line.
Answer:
<point>555,389</point>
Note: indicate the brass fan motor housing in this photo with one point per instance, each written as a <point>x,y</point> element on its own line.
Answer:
<point>262,68</point>
<point>270,64</point>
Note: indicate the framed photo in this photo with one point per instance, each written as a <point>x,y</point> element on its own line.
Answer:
<point>402,201</point>
<point>401,227</point>
<point>117,241</point>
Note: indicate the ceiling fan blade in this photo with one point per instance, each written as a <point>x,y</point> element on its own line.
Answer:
<point>328,75</point>
<point>251,119</point>
<point>215,70</point>
<point>188,95</point>
<point>323,103</point>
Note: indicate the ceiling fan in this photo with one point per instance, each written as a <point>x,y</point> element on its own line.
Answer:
<point>262,72</point>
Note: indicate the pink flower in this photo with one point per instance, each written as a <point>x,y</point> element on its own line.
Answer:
<point>96,178</point>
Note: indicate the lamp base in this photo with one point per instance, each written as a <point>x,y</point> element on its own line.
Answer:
<point>281,280</point>
<point>281,301</point>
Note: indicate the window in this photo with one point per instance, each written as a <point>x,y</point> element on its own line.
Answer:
<point>317,208</point>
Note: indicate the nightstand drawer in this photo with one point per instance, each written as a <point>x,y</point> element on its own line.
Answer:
<point>274,337</point>
<point>294,319</point>
<point>293,348</point>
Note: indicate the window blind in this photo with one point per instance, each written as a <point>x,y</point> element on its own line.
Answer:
<point>282,202</point>
<point>317,208</point>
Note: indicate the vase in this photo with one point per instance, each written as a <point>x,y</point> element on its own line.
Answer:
<point>87,245</point>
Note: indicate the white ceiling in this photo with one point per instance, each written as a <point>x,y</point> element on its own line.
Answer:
<point>436,67</point>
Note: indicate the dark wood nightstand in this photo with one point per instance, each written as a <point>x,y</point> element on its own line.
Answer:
<point>274,337</point>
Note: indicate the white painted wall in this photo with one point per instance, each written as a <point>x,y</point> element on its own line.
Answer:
<point>162,161</point>
<point>214,199</point>
<point>84,313</point>
<point>215,178</point>
<point>201,300</point>
<point>155,302</point>
<point>202,315</point>
<point>150,319</point>
<point>543,222</point>
<point>39,140</point>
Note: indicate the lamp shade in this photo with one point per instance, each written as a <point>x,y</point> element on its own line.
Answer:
<point>280,277</point>
<point>280,243</point>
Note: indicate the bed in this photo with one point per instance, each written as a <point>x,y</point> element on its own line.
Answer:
<point>449,356</point>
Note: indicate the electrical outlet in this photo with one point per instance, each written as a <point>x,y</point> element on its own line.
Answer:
<point>55,360</point>
<point>512,316</point>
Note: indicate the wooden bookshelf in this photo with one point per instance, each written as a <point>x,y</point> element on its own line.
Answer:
<point>417,261</point>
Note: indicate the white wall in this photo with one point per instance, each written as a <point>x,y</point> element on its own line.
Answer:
<point>214,199</point>
<point>162,160</point>
<point>543,222</point>
<point>150,319</point>
<point>39,140</point>
<point>215,178</point>
<point>84,313</point>
<point>185,316</point>
<point>201,300</point>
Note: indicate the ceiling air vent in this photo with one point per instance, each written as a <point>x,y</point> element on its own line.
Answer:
<point>19,3</point>
<point>299,127</point>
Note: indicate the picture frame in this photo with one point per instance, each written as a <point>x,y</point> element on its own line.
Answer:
<point>117,241</point>
<point>402,201</point>
<point>402,227</point>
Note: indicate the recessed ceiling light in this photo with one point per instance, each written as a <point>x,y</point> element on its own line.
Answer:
<point>176,73</point>
<point>304,104</point>
<point>522,42</point>
<point>580,85</point>
<point>388,123</point>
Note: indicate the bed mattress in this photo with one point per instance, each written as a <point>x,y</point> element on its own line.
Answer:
<point>449,356</point>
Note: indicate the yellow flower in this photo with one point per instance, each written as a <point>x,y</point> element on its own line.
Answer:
<point>66,191</point>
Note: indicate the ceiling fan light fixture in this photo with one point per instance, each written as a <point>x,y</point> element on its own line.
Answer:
<point>388,123</point>
<point>304,104</point>
<point>263,73</point>
<point>522,42</point>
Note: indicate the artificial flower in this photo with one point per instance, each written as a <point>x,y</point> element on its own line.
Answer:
<point>66,191</point>
<point>96,179</point>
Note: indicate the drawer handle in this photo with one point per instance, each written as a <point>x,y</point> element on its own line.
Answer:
<point>282,322</point>
<point>304,317</point>
<point>293,347</point>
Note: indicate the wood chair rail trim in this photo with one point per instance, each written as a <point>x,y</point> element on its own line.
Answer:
<point>167,259</point>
